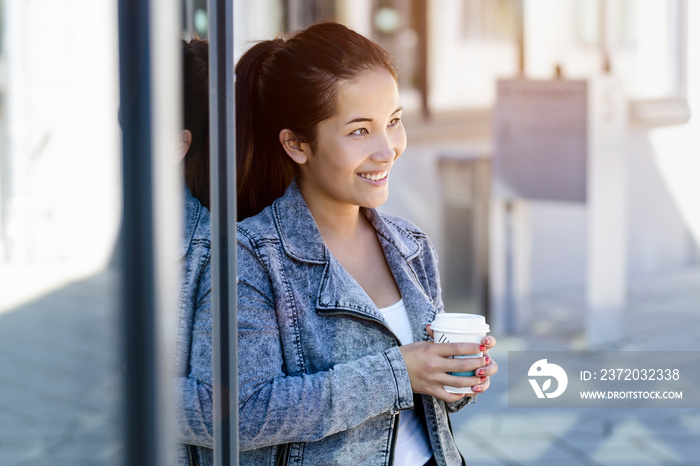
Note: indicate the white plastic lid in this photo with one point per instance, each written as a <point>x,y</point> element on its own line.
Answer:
<point>460,323</point>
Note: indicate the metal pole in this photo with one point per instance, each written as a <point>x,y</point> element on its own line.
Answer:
<point>138,266</point>
<point>223,231</point>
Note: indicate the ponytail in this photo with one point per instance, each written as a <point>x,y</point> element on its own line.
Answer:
<point>195,90</point>
<point>263,168</point>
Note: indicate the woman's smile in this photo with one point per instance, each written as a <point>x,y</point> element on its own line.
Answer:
<point>378,177</point>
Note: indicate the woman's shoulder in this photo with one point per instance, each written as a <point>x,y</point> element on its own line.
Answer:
<point>203,228</point>
<point>258,227</point>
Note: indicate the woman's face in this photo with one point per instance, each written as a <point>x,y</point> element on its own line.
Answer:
<point>356,147</point>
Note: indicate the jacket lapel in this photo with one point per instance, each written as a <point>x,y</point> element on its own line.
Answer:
<point>339,293</point>
<point>400,249</point>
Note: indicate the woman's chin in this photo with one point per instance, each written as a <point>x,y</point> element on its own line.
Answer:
<point>376,202</point>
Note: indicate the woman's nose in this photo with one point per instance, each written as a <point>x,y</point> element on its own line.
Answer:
<point>385,150</point>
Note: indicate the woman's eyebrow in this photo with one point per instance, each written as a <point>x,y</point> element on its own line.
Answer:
<point>358,120</point>
<point>361,119</point>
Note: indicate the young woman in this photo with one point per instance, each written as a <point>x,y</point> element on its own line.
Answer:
<point>334,298</point>
<point>193,351</point>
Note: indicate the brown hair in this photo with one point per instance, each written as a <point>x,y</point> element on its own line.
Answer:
<point>195,63</point>
<point>291,84</point>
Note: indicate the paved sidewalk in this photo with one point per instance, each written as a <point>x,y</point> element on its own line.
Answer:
<point>490,433</point>
<point>60,385</point>
<point>60,380</point>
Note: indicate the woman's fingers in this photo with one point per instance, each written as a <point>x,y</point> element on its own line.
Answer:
<point>491,367</point>
<point>483,368</point>
<point>452,397</point>
<point>432,366</point>
<point>489,342</point>
<point>460,381</point>
<point>457,349</point>
<point>483,386</point>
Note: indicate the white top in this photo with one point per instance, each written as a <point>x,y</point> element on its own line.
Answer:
<point>412,444</point>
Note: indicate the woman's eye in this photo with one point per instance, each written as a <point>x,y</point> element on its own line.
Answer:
<point>360,131</point>
<point>394,122</point>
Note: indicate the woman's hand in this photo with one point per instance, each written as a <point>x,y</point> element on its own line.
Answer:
<point>428,365</point>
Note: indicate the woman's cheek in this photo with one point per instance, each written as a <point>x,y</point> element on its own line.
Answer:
<point>401,141</point>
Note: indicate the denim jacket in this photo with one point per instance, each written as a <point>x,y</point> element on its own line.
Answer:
<point>321,377</point>
<point>193,347</point>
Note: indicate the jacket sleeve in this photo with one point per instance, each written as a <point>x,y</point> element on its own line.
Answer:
<point>277,408</point>
<point>194,393</point>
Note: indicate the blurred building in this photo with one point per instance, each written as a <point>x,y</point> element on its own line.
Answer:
<point>451,54</point>
<point>59,165</point>
<point>60,179</point>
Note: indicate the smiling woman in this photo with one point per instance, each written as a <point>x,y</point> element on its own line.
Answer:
<point>353,155</point>
<point>336,363</point>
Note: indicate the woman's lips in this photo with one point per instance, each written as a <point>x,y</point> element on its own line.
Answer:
<point>374,176</point>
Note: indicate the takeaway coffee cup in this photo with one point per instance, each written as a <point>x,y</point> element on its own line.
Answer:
<point>460,328</point>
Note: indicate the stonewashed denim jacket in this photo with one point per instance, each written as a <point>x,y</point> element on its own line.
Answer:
<point>193,347</point>
<point>321,377</point>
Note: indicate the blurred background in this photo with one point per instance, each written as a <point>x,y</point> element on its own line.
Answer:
<point>553,152</point>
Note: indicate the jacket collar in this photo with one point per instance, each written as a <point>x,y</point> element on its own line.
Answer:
<point>338,292</point>
<point>302,239</point>
<point>191,212</point>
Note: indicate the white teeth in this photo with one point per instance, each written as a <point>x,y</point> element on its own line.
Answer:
<point>375,176</point>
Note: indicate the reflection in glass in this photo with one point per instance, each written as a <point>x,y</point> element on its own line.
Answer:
<point>59,344</point>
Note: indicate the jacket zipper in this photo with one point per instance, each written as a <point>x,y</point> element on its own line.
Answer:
<point>282,455</point>
<point>394,413</point>
<point>192,456</point>
<point>394,435</point>
<point>363,317</point>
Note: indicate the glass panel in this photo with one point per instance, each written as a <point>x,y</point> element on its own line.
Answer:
<point>60,386</point>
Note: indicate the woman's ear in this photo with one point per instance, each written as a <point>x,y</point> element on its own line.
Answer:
<point>296,149</point>
<point>185,142</point>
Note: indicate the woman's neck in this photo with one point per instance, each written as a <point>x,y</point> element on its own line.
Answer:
<point>336,221</point>
<point>338,224</point>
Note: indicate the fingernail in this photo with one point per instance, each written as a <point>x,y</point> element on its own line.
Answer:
<point>476,389</point>
<point>483,379</point>
<point>481,372</point>
<point>487,359</point>
<point>482,348</point>
<point>487,341</point>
